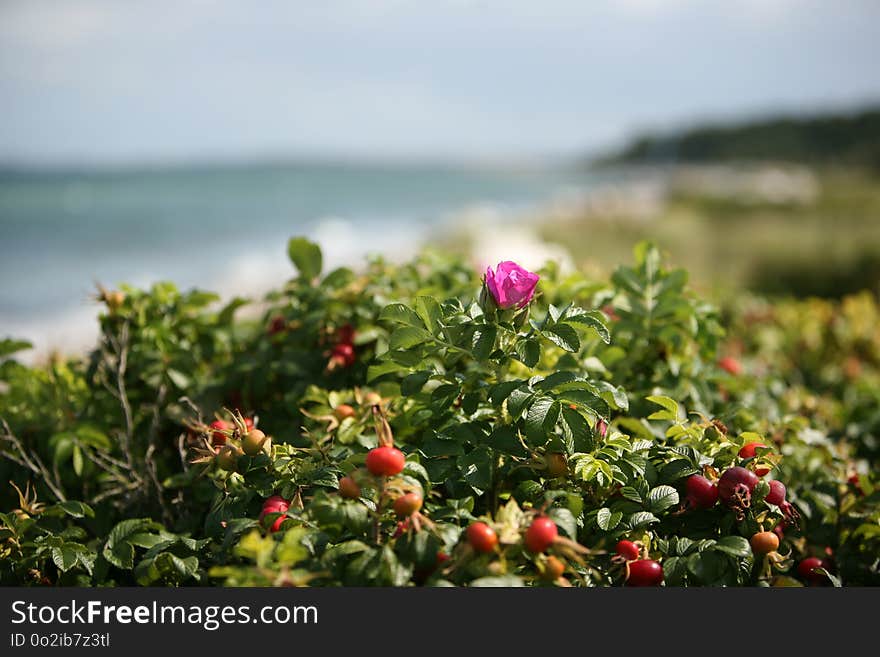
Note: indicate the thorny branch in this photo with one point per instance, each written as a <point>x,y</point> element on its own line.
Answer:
<point>149,461</point>
<point>120,347</point>
<point>30,460</point>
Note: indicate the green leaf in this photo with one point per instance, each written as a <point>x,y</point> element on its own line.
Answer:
<point>563,336</point>
<point>630,493</point>
<point>9,346</point>
<point>413,384</point>
<point>428,309</point>
<point>179,379</point>
<point>484,341</point>
<point>566,521</point>
<point>670,408</point>
<point>76,509</point>
<point>501,391</point>
<point>608,520</point>
<point>528,352</point>
<point>678,469</point>
<point>613,395</point>
<point>398,312</point>
<point>835,581</point>
<point>666,402</point>
<point>77,460</point>
<point>381,369</point>
<point>641,519</point>
<point>406,337</point>
<point>594,320</point>
<point>518,400</point>
<point>227,314</point>
<point>306,257</point>
<point>64,558</point>
<point>578,428</point>
<point>476,469</point>
<point>118,550</point>
<point>735,546</point>
<point>661,498</point>
<point>417,470</point>
<point>541,418</point>
<point>504,439</point>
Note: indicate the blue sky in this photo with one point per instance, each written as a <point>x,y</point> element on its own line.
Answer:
<point>109,81</point>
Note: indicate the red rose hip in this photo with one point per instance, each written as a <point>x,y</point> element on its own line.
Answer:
<point>407,505</point>
<point>730,365</point>
<point>736,485</point>
<point>777,493</point>
<point>482,537</point>
<point>645,572</point>
<point>541,534</point>
<point>385,461</point>
<point>807,566</point>
<point>701,493</point>
<point>628,550</point>
<point>217,436</point>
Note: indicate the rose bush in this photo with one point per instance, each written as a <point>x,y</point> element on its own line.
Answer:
<point>406,425</point>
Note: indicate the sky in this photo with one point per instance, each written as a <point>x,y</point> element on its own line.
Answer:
<point>110,82</point>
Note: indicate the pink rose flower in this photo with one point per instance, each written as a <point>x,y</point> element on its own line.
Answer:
<point>511,285</point>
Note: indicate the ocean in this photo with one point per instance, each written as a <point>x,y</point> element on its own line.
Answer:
<point>225,229</point>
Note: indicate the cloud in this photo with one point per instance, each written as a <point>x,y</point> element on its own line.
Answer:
<point>52,23</point>
<point>111,80</point>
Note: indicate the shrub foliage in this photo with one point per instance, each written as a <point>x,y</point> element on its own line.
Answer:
<point>593,405</point>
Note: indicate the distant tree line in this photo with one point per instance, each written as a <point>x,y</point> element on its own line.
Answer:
<point>847,139</point>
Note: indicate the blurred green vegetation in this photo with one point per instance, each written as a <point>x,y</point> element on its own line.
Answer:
<point>825,243</point>
<point>851,139</point>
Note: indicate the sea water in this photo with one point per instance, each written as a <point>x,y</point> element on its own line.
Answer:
<point>223,228</point>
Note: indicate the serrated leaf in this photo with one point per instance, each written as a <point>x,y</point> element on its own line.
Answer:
<point>641,519</point>
<point>735,546</point>
<point>678,469</point>
<point>541,417</point>
<point>417,470</point>
<point>528,352</point>
<point>667,403</point>
<point>484,341</point>
<point>381,369</point>
<point>406,337</point>
<point>476,469</point>
<point>563,336</point>
<point>64,558</point>
<point>428,308</point>
<point>630,493</point>
<point>414,383</point>
<point>518,400</point>
<point>614,395</point>
<point>118,550</point>
<point>566,521</point>
<point>608,520</point>
<point>398,312</point>
<point>578,428</point>
<point>76,509</point>
<point>661,498</point>
<point>501,391</point>
<point>594,320</point>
